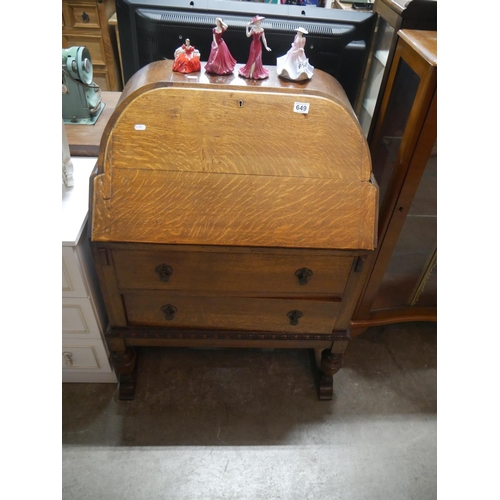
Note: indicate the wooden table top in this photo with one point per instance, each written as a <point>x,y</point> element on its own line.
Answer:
<point>84,140</point>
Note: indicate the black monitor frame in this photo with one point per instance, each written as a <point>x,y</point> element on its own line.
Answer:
<point>338,41</point>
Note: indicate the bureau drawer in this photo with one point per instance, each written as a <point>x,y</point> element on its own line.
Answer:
<point>231,313</point>
<point>81,15</point>
<point>206,272</point>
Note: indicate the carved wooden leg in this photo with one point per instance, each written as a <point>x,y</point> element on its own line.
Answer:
<point>331,363</point>
<point>124,363</point>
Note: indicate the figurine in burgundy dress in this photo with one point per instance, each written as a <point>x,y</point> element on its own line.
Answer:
<point>187,58</point>
<point>254,69</point>
<point>220,61</point>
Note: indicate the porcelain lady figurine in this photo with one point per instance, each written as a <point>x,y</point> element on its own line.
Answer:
<point>220,61</point>
<point>187,58</point>
<point>254,69</point>
<point>294,65</point>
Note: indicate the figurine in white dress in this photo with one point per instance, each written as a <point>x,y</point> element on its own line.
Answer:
<point>294,65</point>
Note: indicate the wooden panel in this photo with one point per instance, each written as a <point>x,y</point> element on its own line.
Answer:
<point>226,272</point>
<point>211,130</point>
<point>228,313</point>
<point>82,15</point>
<point>241,210</point>
<point>94,44</point>
<point>101,78</point>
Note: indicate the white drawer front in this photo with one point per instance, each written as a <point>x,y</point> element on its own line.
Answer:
<point>78,356</point>
<point>73,283</point>
<point>79,319</point>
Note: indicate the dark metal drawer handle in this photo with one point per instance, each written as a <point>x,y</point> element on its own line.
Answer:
<point>85,17</point>
<point>164,272</point>
<point>169,310</point>
<point>294,316</point>
<point>303,275</point>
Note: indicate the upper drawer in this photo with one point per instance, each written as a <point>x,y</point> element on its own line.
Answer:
<point>259,273</point>
<point>81,15</point>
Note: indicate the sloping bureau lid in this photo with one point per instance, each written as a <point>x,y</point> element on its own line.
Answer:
<point>195,159</point>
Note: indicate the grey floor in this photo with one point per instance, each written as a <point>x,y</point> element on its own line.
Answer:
<point>247,424</point>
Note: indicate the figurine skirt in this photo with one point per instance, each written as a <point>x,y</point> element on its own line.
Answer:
<point>220,61</point>
<point>254,68</point>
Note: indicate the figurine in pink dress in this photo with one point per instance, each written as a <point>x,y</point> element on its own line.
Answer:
<point>187,58</point>
<point>220,61</point>
<point>254,69</point>
<point>294,65</point>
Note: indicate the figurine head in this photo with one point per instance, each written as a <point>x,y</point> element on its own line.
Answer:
<point>187,42</point>
<point>302,30</point>
<point>257,19</point>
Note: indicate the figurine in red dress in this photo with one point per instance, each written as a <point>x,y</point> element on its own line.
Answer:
<point>220,61</point>
<point>187,58</point>
<point>254,69</point>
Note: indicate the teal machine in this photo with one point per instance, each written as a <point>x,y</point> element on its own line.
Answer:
<point>81,97</point>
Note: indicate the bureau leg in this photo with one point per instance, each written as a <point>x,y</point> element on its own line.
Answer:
<point>329,362</point>
<point>124,363</point>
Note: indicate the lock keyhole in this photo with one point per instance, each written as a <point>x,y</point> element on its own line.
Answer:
<point>240,103</point>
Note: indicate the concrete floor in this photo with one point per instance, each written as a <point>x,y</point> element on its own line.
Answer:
<point>247,424</point>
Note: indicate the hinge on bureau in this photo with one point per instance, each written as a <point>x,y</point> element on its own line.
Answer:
<point>102,256</point>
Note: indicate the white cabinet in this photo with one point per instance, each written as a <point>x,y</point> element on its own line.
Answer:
<point>84,355</point>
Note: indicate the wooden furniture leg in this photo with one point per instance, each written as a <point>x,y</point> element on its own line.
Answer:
<point>329,362</point>
<point>124,363</point>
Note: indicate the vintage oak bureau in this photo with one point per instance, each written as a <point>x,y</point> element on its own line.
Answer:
<point>231,213</point>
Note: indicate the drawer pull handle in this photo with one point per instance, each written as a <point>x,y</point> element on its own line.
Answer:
<point>85,17</point>
<point>164,272</point>
<point>169,310</point>
<point>294,316</point>
<point>303,275</point>
<point>68,355</point>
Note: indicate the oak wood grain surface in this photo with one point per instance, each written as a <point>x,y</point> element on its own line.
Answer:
<point>231,273</point>
<point>213,209</point>
<point>244,313</point>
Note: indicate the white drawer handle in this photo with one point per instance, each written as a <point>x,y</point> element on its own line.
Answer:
<point>68,356</point>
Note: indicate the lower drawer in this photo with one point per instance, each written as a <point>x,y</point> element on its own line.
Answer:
<point>85,361</point>
<point>231,313</point>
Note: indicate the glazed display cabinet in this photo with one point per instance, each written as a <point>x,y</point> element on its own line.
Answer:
<point>393,15</point>
<point>402,285</point>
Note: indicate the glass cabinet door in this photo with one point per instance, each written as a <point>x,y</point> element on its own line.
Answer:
<point>403,145</point>
<point>382,44</point>
<point>411,275</point>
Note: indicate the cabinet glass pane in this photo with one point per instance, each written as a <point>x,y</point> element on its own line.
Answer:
<point>382,44</point>
<point>385,151</point>
<point>411,276</point>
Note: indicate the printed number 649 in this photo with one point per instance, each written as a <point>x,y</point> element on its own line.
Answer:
<point>301,107</point>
